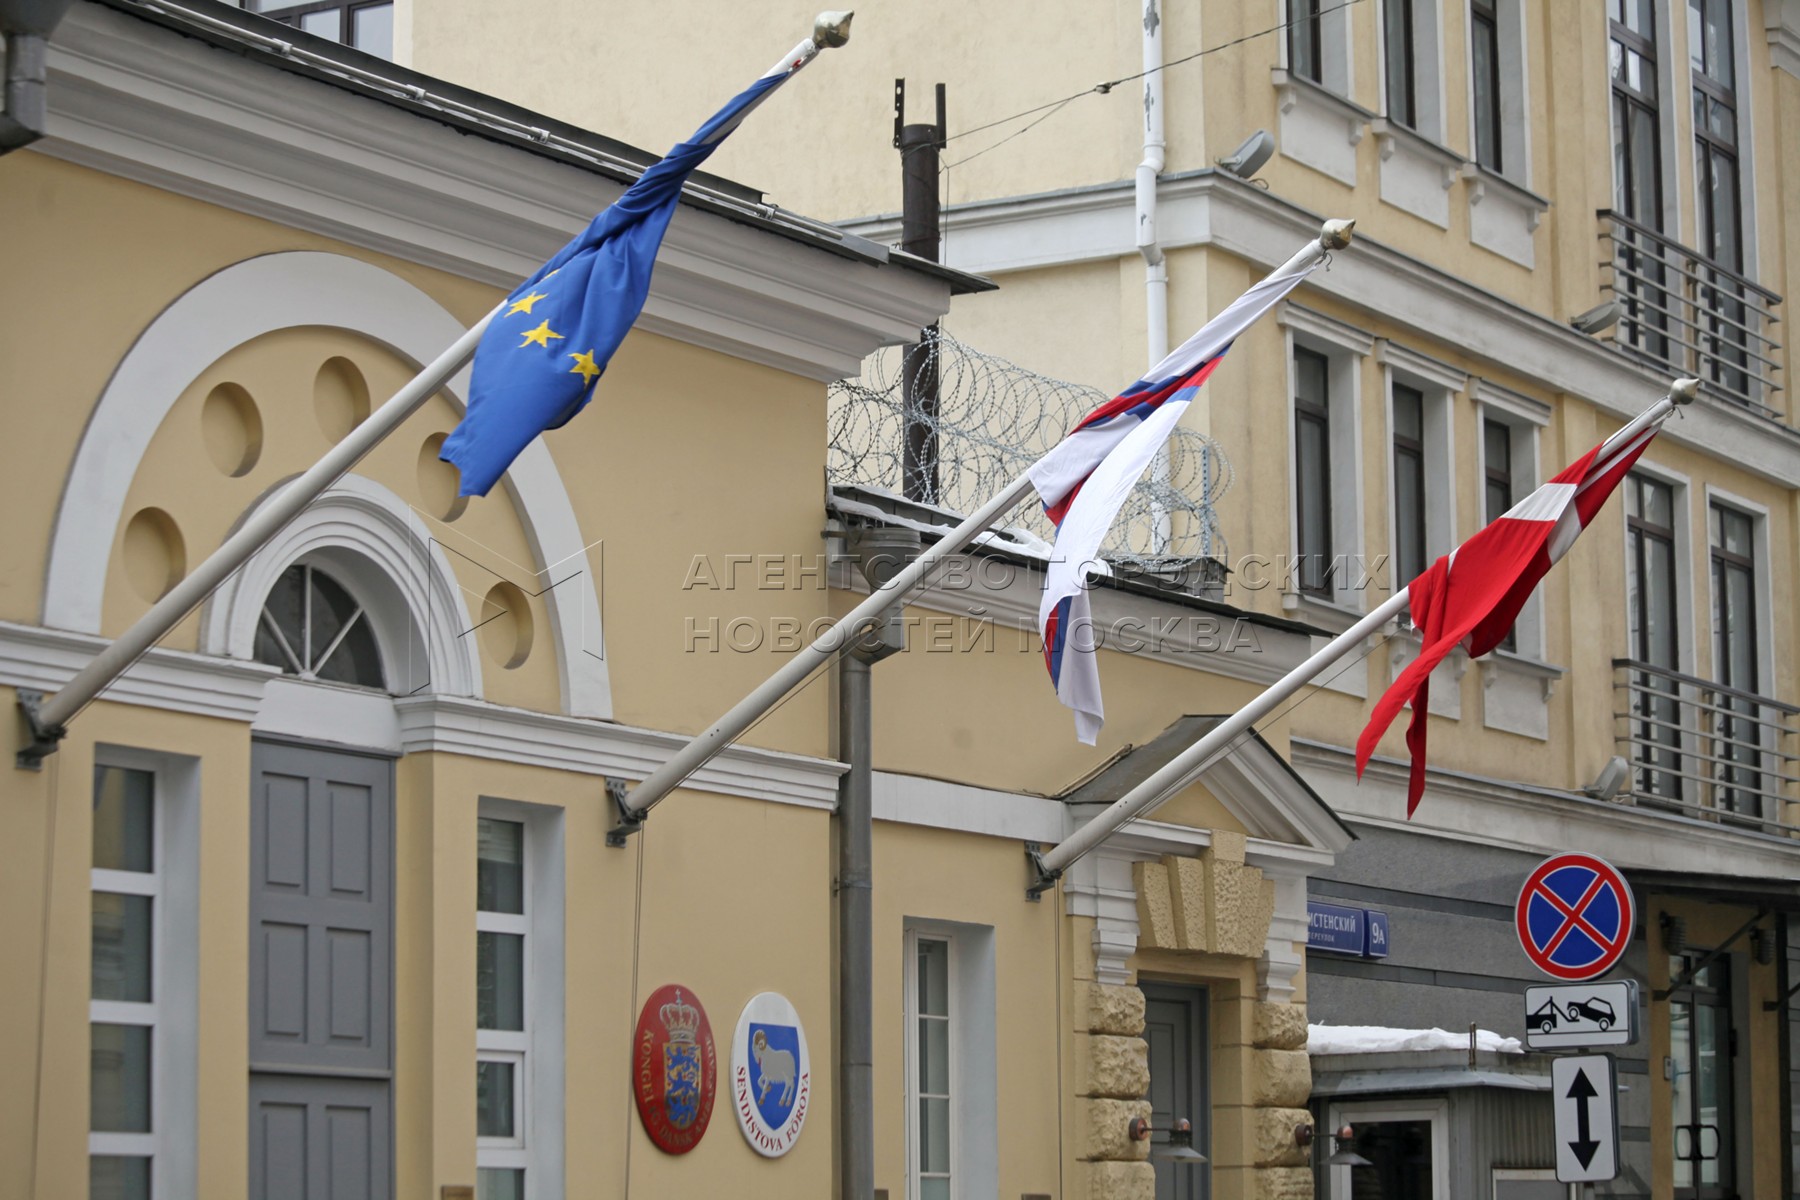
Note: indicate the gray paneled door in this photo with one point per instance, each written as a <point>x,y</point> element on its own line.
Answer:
<point>1175,1027</point>
<point>321,974</point>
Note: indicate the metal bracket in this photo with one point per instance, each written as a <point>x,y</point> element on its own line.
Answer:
<point>1775,1005</point>
<point>1692,973</point>
<point>1041,880</point>
<point>44,739</point>
<point>629,822</point>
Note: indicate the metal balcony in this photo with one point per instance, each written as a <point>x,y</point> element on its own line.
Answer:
<point>1705,749</point>
<point>1686,315</point>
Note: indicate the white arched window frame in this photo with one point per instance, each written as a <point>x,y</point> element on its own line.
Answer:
<point>301,289</point>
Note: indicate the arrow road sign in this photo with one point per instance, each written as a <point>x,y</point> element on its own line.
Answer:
<point>1584,1090</point>
<point>1572,1015</point>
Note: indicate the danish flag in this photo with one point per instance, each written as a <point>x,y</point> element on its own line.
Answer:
<point>1472,596</point>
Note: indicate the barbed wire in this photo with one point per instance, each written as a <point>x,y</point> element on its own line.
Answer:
<point>994,419</point>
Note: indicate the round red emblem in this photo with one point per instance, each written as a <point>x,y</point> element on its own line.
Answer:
<point>674,1068</point>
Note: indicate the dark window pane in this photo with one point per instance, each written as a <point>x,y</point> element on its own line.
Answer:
<point>124,819</point>
<point>325,24</point>
<point>934,1135</point>
<point>500,1183</point>
<point>121,947</point>
<point>343,644</point>
<point>285,608</point>
<point>117,1177</point>
<point>1409,515</point>
<point>934,977</point>
<point>499,981</point>
<point>500,866</point>
<point>1485,50</point>
<point>1305,57</point>
<point>1399,1154</point>
<point>1400,63</point>
<point>119,1068</point>
<point>494,1115</point>
<point>372,29</point>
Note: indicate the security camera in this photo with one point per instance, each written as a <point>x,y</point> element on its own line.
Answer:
<point>1248,158</point>
<point>1598,319</point>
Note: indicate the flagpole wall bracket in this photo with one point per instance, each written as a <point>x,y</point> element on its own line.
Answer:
<point>45,739</point>
<point>1041,880</point>
<point>629,821</point>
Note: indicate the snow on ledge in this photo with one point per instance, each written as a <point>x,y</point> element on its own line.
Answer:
<point>1378,1039</point>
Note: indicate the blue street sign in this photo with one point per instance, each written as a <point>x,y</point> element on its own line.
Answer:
<point>1335,928</point>
<point>1377,942</point>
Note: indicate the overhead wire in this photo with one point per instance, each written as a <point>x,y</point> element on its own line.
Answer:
<point>1105,87</point>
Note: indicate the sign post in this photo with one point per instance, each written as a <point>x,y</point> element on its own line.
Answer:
<point>1584,1090</point>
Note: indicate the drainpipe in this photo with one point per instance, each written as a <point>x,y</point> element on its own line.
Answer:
<point>1156,268</point>
<point>26,26</point>
<point>879,555</point>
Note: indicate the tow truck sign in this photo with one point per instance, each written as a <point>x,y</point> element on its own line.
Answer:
<point>1581,1014</point>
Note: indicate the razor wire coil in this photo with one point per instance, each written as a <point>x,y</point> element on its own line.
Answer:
<point>993,419</point>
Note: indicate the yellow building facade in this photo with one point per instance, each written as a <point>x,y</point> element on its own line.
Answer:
<point>317,899</point>
<point>1514,168</point>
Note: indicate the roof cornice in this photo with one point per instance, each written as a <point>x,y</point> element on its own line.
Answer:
<point>144,102</point>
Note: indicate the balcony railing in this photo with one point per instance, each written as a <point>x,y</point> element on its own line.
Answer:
<point>1687,315</point>
<point>1706,749</point>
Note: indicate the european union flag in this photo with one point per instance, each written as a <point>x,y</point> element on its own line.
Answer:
<point>536,365</point>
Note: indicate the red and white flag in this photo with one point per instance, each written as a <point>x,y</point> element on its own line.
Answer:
<point>1472,596</point>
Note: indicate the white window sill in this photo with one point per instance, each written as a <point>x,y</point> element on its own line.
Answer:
<point>1416,172</point>
<point>1503,217</point>
<point>1317,127</point>
<point>1515,694</point>
<point>1404,645</point>
<point>1333,617</point>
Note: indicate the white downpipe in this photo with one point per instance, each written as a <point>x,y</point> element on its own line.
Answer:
<point>1156,267</point>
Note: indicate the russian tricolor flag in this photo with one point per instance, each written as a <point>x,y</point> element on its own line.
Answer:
<point>1083,483</point>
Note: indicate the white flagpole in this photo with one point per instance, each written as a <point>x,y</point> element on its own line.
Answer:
<point>1334,235</point>
<point>48,717</point>
<point>1187,766</point>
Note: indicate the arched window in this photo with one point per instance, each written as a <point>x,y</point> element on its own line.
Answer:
<point>313,628</point>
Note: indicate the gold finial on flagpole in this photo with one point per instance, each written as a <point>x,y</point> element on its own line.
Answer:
<point>1336,234</point>
<point>1684,391</point>
<point>831,29</point>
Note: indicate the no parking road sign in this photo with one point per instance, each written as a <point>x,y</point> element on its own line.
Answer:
<point>1574,916</point>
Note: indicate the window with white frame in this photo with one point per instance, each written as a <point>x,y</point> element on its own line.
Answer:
<point>518,1001</point>
<point>1318,44</point>
<point>1421,487</point>
<point>127,882</point>
<point>951,1086</point>
<point>1507,459</point>
<point>1325,360</point>
<point>1497,109</point>
<point>1406,1147</point>
<point>1412,75</point>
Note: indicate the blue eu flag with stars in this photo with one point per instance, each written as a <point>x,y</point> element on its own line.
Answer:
<point>537,363</point>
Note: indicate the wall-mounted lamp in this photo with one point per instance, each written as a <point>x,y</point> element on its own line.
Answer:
<point>1762,945</point>
<point>1674,933</point>
<point>1599,318</point>
<point>1249,158</point>
<point>1345,1156</point>
<point>1178,1149</point>
<point>1611,780</point>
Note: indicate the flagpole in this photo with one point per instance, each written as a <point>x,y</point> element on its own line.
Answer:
<point>728,728</point>
<point>1187,766</point>
<point>634,804</point>
<point>50,716</point>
